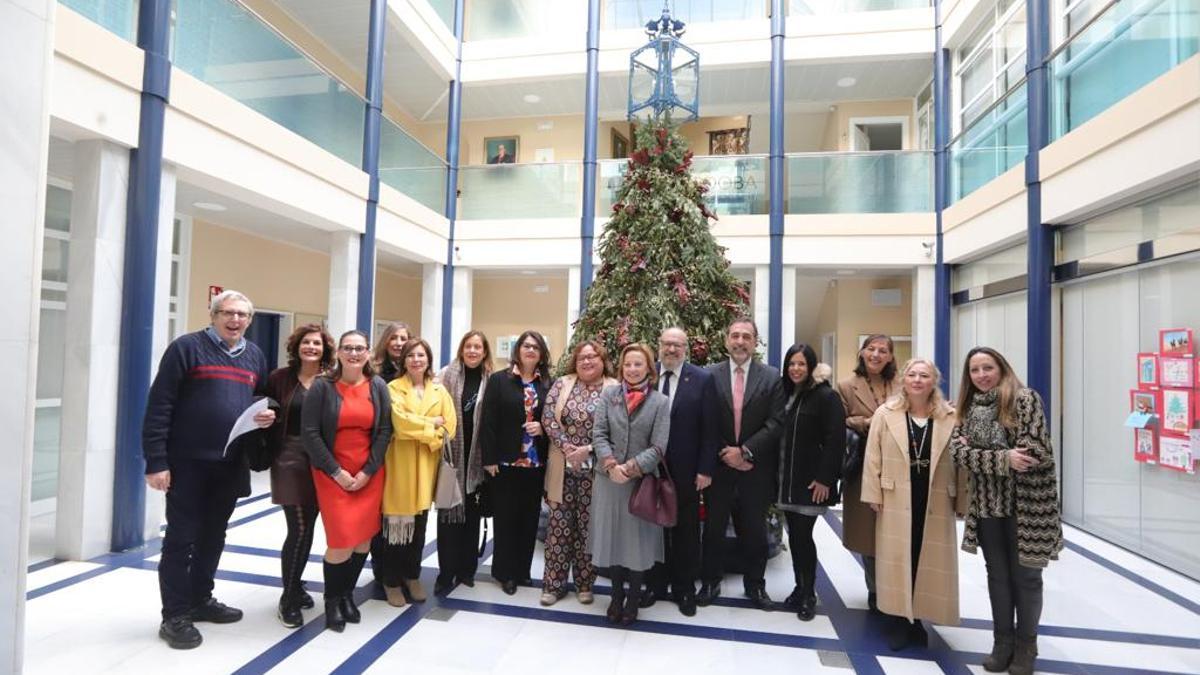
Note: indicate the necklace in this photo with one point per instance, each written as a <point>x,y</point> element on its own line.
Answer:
<point>916,447</point>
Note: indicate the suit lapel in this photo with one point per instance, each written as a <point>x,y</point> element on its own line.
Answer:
<point>725,385</point>
<point>862,391</point>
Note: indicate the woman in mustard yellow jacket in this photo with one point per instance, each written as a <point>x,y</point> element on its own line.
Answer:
<point>423,417</point>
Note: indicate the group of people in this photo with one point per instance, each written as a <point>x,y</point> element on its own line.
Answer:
<point>364,438</point>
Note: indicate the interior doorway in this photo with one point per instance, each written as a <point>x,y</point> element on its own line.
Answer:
<point>874,134</point>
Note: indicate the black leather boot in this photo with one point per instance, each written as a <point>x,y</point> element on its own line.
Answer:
<point>1024,656</point>
<point>1002,654</point>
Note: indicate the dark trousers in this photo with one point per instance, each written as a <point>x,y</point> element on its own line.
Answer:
<point>403,561</point>
<point>804,551</point>
<point>199,503</point>
<point>517,503</point>
<point>1011,586</point>
<point>458,544</point>
<point>746,490</point>
<point>681,545</point>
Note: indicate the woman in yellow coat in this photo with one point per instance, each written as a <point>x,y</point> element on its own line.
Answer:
<point>911,483</point>
<point>423,418</point>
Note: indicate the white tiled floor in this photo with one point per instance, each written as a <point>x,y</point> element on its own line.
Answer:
<point>1096,621</point>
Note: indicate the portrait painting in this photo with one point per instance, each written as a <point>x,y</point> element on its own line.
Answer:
<point>501,149</point>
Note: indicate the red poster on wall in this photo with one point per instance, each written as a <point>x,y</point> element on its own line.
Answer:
<point>214,291</point>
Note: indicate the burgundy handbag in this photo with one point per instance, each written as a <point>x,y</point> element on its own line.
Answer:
<point>654,499</point>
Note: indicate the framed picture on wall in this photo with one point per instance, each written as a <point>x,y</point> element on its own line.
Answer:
<point>1176,371</point>
<point>1176,411</point>
<point>620,145</point>
<point>1145,445</point>
<point>501,149</point>
<point>1175,342</point>
<point>1143,401</point>
<point>1147,369</point>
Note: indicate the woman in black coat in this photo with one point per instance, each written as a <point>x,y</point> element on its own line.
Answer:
<point>811,449</point>
<point>513,448</point>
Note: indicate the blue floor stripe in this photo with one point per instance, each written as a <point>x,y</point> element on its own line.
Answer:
<point>382,641</point>
<point>69,581</point>
<point>251,500</point>
<point>1097,634</point>
<point>1134,577</point>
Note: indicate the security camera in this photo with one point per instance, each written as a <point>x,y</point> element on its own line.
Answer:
<point>928,246</point>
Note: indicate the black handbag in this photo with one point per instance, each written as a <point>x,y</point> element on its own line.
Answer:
<point>852,461</point>
<point>253,446</point>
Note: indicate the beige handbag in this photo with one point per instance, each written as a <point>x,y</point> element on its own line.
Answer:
<point>447,493</point>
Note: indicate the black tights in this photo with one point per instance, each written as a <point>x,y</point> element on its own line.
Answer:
<point>804,551</point>
<point>301,522</point>
<point>625,580</point>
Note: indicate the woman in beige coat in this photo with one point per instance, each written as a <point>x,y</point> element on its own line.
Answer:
<point>911,483</point>
<point>874,382</point>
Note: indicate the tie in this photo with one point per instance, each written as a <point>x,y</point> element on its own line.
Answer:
<point>739,392</point>
<point>666,390</point>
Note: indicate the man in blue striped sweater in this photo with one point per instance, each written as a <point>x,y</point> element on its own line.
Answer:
<point>204,382</point>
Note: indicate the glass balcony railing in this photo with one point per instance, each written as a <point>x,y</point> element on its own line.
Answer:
<point>1122,49</point>
<point>550,190</point>
<point>410,167</point>
<point>994,142</point>
<point>810,7</point>
<point>116,16</point>
<point>860,182</point>
<point>621,14</point>
<point>445,10</point>
<point>737,184</point>
<point>222,44</point>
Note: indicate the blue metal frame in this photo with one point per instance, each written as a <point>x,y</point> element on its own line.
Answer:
<point>376,33</point>
<point>941,173</point>
<point>141,257</point>
<point>453,129</point>
<point>775,350</point>
<point>1040,236</point>
<point>591,116</point>
<point>664,41</point>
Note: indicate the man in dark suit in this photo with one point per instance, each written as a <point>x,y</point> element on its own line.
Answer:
<point>750,402</point>
<point>691,459</point>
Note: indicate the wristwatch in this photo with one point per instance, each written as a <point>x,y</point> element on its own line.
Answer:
<point>747,455</point>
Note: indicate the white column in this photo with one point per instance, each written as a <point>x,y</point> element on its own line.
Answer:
<point>87,450</point>
<point>574,282</point>
<point>788,312</point>
<point>343,282</point>
<point>27,30</point>
<point>762,303</point>
<point>156,501</point>
<point>924,312</point>
<point>460,313</point>
<point>431,306</point>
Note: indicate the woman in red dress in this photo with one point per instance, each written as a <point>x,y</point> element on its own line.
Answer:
<point>347,426</point>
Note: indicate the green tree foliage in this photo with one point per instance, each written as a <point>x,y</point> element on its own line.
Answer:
<point>659,263</point>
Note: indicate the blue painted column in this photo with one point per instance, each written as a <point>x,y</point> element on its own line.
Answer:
<point>941,198</point>
<point>141,252</point>
<point>453,131</point>
<point>591,115</point>
<point>376,33</point>
<point>775,195</point>
<point>1041,237</point>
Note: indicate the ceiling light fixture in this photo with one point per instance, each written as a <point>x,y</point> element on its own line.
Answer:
<point>532,98</point>
<point>847,82</point>
<point>210,206</point>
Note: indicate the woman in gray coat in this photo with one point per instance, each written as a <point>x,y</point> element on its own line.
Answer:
<point>630,439</point>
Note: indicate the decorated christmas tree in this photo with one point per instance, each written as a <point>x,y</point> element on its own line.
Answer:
<point>659,263</point>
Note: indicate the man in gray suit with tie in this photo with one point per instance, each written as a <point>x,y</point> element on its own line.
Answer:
<point>749,422</point>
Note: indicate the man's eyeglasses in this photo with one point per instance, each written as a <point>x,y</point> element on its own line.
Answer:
<point>233,314</point>
<point>353,349</point>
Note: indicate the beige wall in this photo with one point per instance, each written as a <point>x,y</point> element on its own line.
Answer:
<point>274,275</point>
<point>509,306</point>
<point>398,298</point>
<point>565,136</point>
<point>826,321</point>
<point>837,137</point>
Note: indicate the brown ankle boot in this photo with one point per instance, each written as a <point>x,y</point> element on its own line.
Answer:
<point>1001,656</point>
<point>415,590</point>
<point>1024,656</point>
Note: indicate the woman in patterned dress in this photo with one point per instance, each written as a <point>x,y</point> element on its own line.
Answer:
<point>567,418</point>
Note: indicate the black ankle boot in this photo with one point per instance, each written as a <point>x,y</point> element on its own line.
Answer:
<point>335,620</point>
<point>1002,654</point>
<point>899,634</point>
<point>289,612</point>
<point>632,601</point>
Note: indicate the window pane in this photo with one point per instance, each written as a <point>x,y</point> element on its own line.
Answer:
<point>54,259</point>
<point>58,209</point>
<point>52,342</point>
<point>47,429</point>
<point>977,76</point>
<point>1012,36</point>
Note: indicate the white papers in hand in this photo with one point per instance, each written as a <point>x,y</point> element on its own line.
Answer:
<point>245,422</point>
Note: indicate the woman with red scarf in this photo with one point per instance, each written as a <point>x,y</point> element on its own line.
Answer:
<point>633,422</point>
